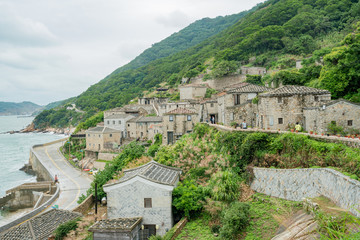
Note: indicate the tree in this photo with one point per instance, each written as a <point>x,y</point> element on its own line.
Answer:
<point>341,72</point>
<point>224,68</point>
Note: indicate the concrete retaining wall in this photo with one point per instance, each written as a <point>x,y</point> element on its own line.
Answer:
<point>47,176</point>
<point>296,184</point>
<point>85,205</point>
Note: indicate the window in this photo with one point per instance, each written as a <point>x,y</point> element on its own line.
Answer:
<point>350,122</point>
<point>236,99</point>
<point>147,203</point>
<point>99,135</point>
<point>189,117</point>
<point>108,122</point>
<point>280,121</point>
<point>280,100</point>
<point>114,122</point>
<point>171,118</point>
<point>316,98</point>
<point>119,122</point>
<point>89,135</point>
<point>211,105</point>
<point>110,135</point>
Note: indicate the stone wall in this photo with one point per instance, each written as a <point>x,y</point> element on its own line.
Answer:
<point>41,172</point>
<point>296,184</point>
<point>85,205</point>
<point>220,84</point>
<point>107,156</point>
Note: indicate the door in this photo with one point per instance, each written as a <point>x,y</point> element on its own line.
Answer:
<point>170,136</point>
<point>147,231</point>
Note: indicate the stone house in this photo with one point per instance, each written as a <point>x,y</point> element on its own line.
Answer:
<point>119,122</point>
<point>117,229</point>
<point>253,71</point>
<point>209,109</point>
<point>193,91</point>
<point>341,112</point>
<point>242,107</point>
<point>235,104</point>
<point>177,123</point>
<point>144,127</point>
<point>121,110</point>
<point>152,100</point>
<point>146,192</point>
<point>102,138</point>
<point>283,107</point>
<point>194,105</point>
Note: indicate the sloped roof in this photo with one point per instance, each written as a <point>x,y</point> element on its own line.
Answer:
<point>237,85</point>
<point>249,88</point>
<point>39,227</point>
<point>119,116</point>
<point>333,102</point>
<point>152,171</point>
<point>149,119</point>
<point>180,111</point>
<point>201,85</point>
<point>102,130</point>
<point>124,224</point>
<point>289,90</point>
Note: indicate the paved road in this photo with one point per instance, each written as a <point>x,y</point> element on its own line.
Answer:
<point>72,181</point>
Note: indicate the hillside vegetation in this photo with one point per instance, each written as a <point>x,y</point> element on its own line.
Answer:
<point>274,35</point>
<point>213,191</point>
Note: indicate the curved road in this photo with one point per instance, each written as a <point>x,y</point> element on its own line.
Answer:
<point>72,181</point>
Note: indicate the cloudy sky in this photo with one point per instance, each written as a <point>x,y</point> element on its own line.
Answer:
<point>51,50</point>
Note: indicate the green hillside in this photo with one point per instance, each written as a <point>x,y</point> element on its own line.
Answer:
<point>274,34</point>
<point>190,36</point>
<point>23,108</point>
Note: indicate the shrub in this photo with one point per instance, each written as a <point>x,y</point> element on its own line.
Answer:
<point>234,220</point>
<point>188,198</point>
<point>224,186</point>
<point>63,229</point>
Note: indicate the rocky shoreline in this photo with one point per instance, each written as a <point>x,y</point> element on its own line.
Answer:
<point>31,129</point>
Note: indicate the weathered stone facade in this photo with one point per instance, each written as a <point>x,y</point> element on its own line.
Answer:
<point>341,112</point>
<point>192,91</point>
<point>177,123</point>
<point>283,107</point>
<point>253,71</point>
<point>208,109</point>
<point>296,184</point>
<point>102,139</point>
<point>144,192</point>
<point>118,122</point>
<point>144,127</point>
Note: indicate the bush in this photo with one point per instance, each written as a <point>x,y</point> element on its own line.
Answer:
<point>224,186</point>
<point>188,198</point>
<point>63,229</point>
<point>234,220</point>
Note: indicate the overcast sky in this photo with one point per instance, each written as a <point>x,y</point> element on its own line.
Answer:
<point>51,50</point>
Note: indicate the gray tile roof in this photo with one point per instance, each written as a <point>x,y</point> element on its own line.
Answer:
<point>126,224</point>
<point>249,88</point>
<point>289,90</point>
<point>237,85</point>
<point>119,116</point>
<point>149,119</point>
<point>41,226</point>
<point>102,130</point>
<point>154,172</point>
<point>180,111</point>
<point>201,85</point>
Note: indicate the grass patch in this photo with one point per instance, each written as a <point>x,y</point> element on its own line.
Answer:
<point>266,214</point>
<point>198,229</point>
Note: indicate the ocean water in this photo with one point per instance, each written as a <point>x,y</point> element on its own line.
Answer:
<point>15,151</point>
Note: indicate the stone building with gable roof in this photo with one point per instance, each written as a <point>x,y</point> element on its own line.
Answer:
<point>235,105</point>
<point>341,112</point>
<point>146,192</point>
<point>193,91</point>
<point>144,127</point>
<point>178,122</point>
<point>102,138</point>
<point>119,122</point>
<point>283,107</point>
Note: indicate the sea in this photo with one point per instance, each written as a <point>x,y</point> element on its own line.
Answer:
<point>15,151</point>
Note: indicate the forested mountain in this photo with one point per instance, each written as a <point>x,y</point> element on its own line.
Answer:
<point>190,36</point>
<point>23,108</point>
<point>274,34</point>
